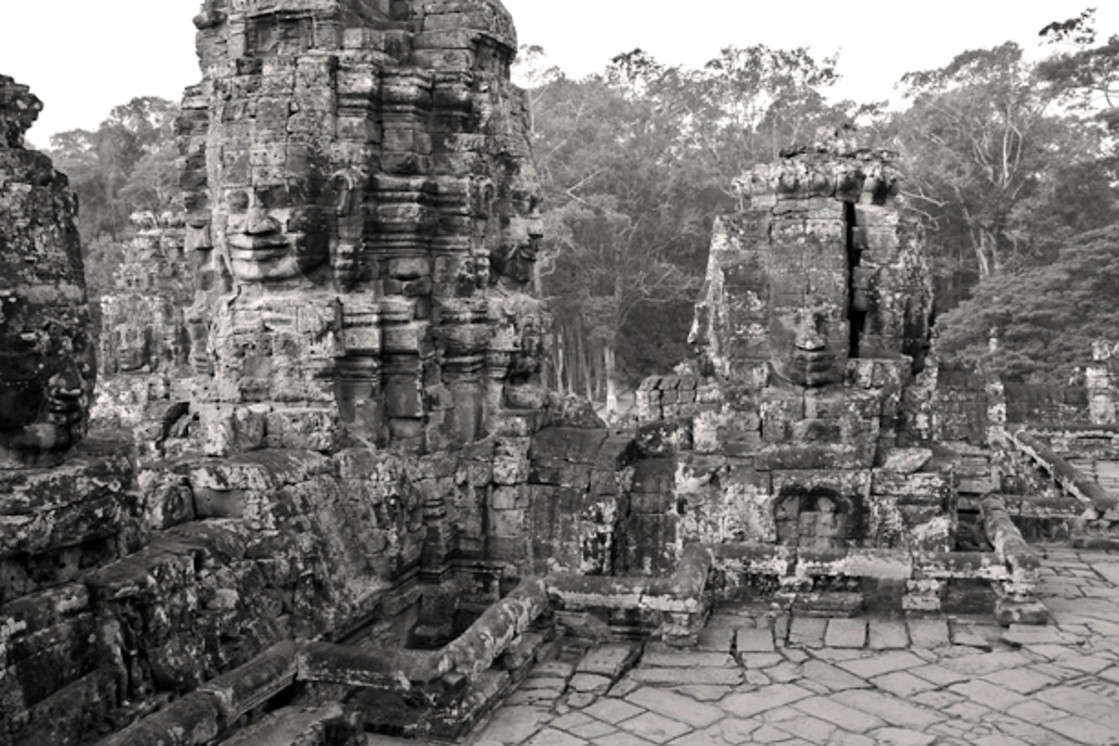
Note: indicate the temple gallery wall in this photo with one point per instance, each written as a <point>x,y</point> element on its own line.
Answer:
<point>309,470</point>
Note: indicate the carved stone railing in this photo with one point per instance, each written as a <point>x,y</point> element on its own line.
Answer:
<point>1068,477</point>
<point>442,677</point>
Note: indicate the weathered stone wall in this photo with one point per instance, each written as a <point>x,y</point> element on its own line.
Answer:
<point>959,409</point>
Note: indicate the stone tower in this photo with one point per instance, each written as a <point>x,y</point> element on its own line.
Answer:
<point>46,354</point>
<point>361,213</point>
<point>812,331</point>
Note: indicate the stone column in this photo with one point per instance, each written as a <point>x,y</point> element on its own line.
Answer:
<point>1101,391</point>
<point>406,350</point>
<point>358,386</point>
<point>464,335</point>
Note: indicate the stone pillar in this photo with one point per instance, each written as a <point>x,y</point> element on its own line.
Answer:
<point>358,381</point>
<point>1101,391</point>
<point>406,349</point>
<point>464,336</point>
<point>996,407</point>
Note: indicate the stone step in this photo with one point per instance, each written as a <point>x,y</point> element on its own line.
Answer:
<point>451,719</point>
<point>302,726</point>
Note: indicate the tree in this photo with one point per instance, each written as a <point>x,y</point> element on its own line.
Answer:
<point>989,158</point>
<point>102,165</point>
<point>744,106</point>
<point>1087,76</point>
<point>635,163</point>
<point>1044,318</point>
<point>621,223</point>
<point>128,164</point>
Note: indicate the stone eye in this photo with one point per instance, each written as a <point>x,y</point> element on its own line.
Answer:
<point>237,201</point>
<point>305,220</point>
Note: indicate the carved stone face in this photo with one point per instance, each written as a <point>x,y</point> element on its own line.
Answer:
<point>39,420</point>
<point>46,360</point>
<point>276,232</point>
<point>809,339</point>
<point>44,387</point>
<point>522,229</point>
<point>133,351</point>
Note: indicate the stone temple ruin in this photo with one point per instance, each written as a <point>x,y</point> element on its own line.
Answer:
<point>46,356</point>
<point>325,491</point>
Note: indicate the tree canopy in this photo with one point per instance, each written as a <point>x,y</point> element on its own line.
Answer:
<point>1038,324</point>
<point>1011,163</point>
<point>126,165</point>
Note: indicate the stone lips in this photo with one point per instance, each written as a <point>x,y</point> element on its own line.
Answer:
<point>46,353</point>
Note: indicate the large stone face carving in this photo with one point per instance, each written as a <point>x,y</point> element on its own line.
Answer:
<point>362,209</point>
<point>143,351</point>
<point>812,329</point>
<point>816,269</point>
<point>46,356</point>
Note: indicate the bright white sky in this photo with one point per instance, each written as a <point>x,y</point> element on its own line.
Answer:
<point>82,57</point>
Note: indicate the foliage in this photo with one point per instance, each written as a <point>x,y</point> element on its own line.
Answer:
<point>1045,318</point>
<point>635,163</point>
<point>1087,76</point>
<point>126,165</point>
<point>993,165</point>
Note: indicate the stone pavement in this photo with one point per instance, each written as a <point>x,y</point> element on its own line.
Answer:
<point>754,679</point>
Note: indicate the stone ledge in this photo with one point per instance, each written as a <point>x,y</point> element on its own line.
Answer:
<point>680,603</point>
<point>1071,479</point>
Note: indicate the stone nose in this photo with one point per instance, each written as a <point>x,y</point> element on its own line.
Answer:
<point>258,222</point>
<point>811,333</point>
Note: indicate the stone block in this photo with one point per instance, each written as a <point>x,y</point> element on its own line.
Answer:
<point>510,498</point>
<point>846,633</point>
<point>308,726</point>
<point>750,640</point>
<point>887,634</point>
<point>193,719</point>
<point>508,523</point>
<point>654,477</point>
<point>807,632</point>
<point>86,498</point>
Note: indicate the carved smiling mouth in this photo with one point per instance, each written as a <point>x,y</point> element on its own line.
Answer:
<point>270,243</point>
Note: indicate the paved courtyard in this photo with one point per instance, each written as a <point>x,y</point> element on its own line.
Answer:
<point>843,681</point>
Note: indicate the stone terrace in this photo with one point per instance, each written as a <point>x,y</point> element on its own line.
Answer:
<point>761,679</point>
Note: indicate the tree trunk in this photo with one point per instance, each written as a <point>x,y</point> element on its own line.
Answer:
<point>559,363</point>
<point>611,382</point>
<point>583,374</point>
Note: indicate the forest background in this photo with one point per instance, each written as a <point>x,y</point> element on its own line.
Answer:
<point>1011,161</point>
